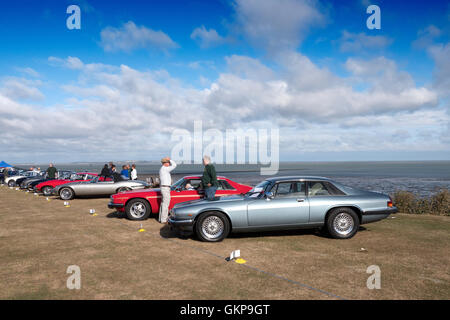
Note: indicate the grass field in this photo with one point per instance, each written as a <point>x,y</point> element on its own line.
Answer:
<point>40,239</point>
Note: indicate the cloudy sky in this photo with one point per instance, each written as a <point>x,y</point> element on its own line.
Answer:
<point>136,71</point>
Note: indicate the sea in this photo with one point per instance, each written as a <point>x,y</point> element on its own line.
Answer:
<point>422,178</point>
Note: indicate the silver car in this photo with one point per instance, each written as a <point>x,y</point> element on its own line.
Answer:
<point>97,187</point>
<point>284,203</point>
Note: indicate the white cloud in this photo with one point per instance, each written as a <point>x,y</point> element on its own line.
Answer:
<point>440,54</point>
<point>21,89</point>
<point>207,38</point>
<point>426,37</point>
<point>277,24</point>
<point>131,114</point>
<point>130,37</point>
<point>29,71</point>
<point>360,42</point>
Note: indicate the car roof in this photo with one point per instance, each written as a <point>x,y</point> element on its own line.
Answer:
<point>299,178</point>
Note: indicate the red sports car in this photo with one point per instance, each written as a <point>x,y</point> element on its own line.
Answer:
<point>47,187</point>
<point>139,204</point>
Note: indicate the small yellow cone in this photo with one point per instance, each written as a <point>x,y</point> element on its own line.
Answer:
<point>240,261</point>
<point>94,215</point>
<point>141,230</point>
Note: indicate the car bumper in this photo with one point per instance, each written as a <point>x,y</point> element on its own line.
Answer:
<point>377,215</point>
<point>112,205</point>
<point>185,226</point>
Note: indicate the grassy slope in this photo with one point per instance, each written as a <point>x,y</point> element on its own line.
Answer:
<point>41,239</point>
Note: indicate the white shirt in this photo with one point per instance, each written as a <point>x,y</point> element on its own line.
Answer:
<point>133,174</point>
<point>164,174</point>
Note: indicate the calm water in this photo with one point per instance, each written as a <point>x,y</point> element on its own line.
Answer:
<point>420,177</point>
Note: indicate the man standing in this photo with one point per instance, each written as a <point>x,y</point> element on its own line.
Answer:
<point>51,172</point>
<point>133,173</point>
<point>165,182</point>
<point>209,179</point>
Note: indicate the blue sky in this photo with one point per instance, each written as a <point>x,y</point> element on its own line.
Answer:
<point>336,90</point>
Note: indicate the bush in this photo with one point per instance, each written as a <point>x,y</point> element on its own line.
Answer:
<point>437,204</point>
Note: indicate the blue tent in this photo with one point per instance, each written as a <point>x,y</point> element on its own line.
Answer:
<point>3,164</point>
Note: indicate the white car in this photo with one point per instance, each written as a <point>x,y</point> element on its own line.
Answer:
<point>11,181</point>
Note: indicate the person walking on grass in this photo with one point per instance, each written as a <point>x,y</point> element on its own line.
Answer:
<point>52,173</point>
<point>165,181</point>
<point>209,179</point>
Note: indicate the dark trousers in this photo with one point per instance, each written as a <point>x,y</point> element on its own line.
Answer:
<point>210,192</point>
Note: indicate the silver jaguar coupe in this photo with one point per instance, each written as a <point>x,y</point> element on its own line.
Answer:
<point>97,187</point>
<point>284,203</point>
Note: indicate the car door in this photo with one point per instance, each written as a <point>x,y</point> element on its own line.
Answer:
<point>289,206</point>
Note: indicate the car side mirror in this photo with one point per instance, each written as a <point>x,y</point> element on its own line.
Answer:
<point>269,195</point>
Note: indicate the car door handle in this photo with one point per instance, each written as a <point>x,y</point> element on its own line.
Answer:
<point>300,200</point>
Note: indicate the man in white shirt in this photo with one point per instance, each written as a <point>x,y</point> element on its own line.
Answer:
<point>165,181</point>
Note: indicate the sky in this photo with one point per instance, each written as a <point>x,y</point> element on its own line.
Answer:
<point>136,71</point>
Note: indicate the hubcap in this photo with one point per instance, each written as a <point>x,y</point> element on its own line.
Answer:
<point>47,191</point>
<point>343,223</point>
<point>138,210</point>
<point>212,227</point>
<point>66,194</point>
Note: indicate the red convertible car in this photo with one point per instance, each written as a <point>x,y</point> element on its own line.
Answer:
<point>47,187</point>
<point>139,204</point>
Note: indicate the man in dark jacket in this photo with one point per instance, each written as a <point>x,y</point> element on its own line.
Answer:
<point>209,179</point>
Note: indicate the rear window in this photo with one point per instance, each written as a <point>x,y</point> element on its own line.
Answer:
<point>323,188</point>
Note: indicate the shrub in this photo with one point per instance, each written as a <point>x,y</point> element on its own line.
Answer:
<point>437,204</point>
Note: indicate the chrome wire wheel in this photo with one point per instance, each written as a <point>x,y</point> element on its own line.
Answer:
<point>47,191</point>
<point>343,223</point>
<point>212,227</point>
<point>66,194</point>
<point>138,210</point>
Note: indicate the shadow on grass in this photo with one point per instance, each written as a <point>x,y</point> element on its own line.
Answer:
<point>169,233</point>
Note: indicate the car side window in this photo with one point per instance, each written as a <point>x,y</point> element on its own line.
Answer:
<point>289,189</point>
<point>317,188</point>
<point>224,185</point>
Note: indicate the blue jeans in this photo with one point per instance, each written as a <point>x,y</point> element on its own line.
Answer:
<point>210,193</point>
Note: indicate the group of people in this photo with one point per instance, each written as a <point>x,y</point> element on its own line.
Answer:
<point>128,172</point>
<point>209,183</point>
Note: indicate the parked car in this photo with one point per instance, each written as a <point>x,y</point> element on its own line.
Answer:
<point>47,187</point>
<point>13,181</point>
<point>284,203</point>
<point>138,205</point>
<point>97,187</point>
<point>30,183</point>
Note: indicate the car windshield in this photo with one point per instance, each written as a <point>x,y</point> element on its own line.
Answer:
<point>177,184</point>
<point>258,189</point>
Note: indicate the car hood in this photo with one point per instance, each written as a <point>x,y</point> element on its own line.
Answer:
<point>146,191</point>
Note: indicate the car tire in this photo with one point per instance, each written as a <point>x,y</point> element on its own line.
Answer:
<point>138,209</point>
<point>11,183</point>
<point>47,191</point>
<point>212,226</point>
<point>342,223</point>
<point>66,193</point>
